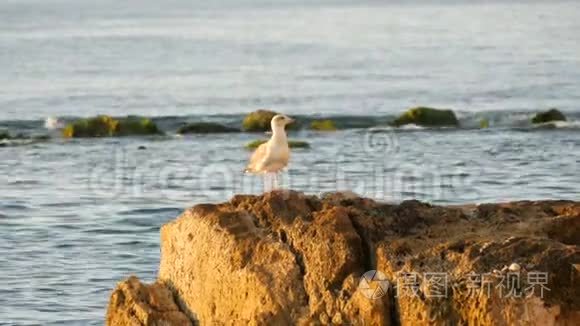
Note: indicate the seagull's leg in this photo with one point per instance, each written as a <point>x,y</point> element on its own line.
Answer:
<point>265,182</point>
<point>275,180</point>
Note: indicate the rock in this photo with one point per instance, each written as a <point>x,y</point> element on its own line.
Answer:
<point>135,303</point>
<point>258,120</point>
<point>564,228</point>
<point>424,116</point>
<point>512,231</point>
<point>136,126</point>
<point>548,116</point>
<point>255,143</point>
<point>265,260</point>
<point>205,128</point>
<point>100,126</point>
<point>106,126</point>
<point>4,135</point>
<point>323,125</point>
<point>484,123</point>
<point>292,143</point>
<point>289,258</point>
<point>40,138</point>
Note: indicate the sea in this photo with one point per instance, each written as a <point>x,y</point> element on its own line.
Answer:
<point>79,215</point>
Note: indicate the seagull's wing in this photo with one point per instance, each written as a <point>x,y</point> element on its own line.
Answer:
<point>257,159</point>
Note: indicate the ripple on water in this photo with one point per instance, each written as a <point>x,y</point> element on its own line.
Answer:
<point>24,183</point>
<point>14,206</point>
<point>152,211</point>
<point>63,204</point>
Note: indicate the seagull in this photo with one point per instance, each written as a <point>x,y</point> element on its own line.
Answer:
<point>272,156</point>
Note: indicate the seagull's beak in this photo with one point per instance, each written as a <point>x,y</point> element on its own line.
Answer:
<point>290,120</point>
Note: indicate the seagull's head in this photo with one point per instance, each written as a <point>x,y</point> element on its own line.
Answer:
<point>281,120</point>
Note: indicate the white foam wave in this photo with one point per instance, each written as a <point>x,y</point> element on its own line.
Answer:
<point>52,123</point>
<point>574,124</point>
<point>411,126</point>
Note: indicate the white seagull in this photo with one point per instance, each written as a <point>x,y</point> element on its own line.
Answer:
<point>273,155</point>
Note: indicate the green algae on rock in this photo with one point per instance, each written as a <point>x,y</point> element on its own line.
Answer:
<point>258,120</point>
<point>484,123</point>
<point>106,126</point>
<point>134,126</point>
<point>548,116</point>
<point>205,128</point>
<point>99,126</point>
<point>424,116</point>
<point>323,125</point>
<point>291,143</point>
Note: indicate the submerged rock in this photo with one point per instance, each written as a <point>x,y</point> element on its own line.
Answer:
<point>41,137</point>
<point>7,139</point>
<point>136,126</point>
<point>287,258</point>
<point>258,120</point>
<point>100,126</point>
<point>106,126</point>
<point>323,125</point>
<point>484,123</point>
<point>205,128</point>
<point>548,116</point>
<point>291,143</point>
<point>424,116</point>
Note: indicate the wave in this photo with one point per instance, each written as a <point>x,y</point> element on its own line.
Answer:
<point>575,124</point>
<point>52,123</point>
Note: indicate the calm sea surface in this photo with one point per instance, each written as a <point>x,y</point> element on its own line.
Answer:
<point>76,216</point>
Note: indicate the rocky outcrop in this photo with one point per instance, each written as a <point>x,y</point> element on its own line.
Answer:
<point>492,255</point>
<point>323,125</point>
<point>287,258</point>
<point>424,116</point>
<point>205,128</point>
<point>134,303</point>
<point>136,126</point>
<point>258,120</point>
<point>106,126</point>
<point>549,116</point>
